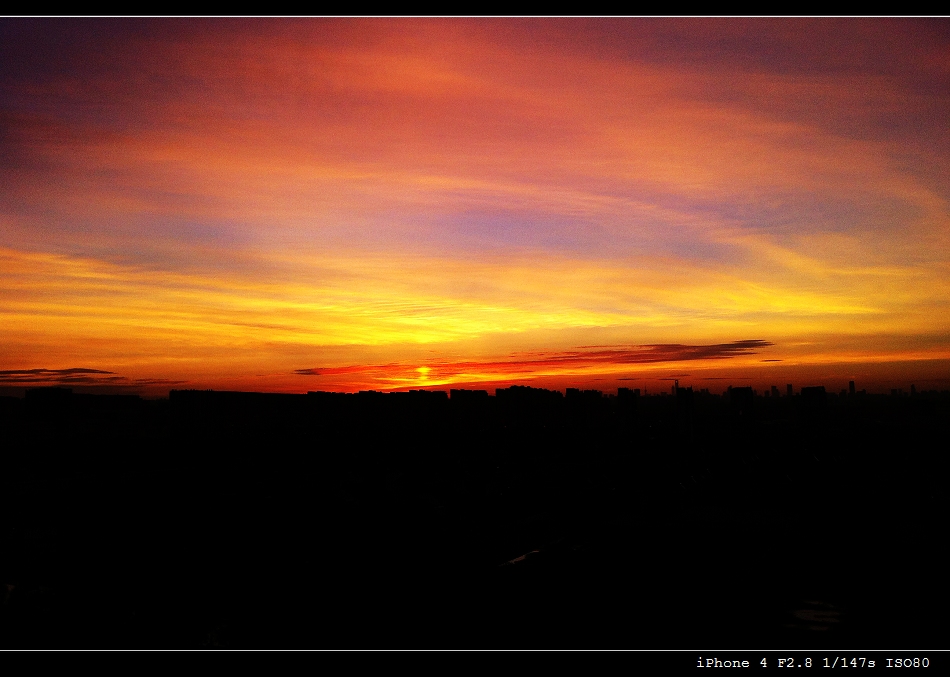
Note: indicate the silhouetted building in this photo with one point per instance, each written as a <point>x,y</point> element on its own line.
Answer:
<point>587,395</point>
<point>462,395</point>
<point>813,398</point>
<point>788,389</point>
<point>48,394</point>
<point>527,394</point>
<point>627,403</point>
<point>851,388</point>
<point>684,405</point>
<point>429,395</point>
<point>740,399</point>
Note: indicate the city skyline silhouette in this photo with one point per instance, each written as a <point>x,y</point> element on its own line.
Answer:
<point>523,519</point>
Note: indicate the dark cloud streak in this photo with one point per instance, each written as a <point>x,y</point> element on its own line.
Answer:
<point>51,372</point>
<point>620,355</point>
<point>76,376</point>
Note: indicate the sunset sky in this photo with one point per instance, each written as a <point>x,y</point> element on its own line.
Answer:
<point>352,204</point>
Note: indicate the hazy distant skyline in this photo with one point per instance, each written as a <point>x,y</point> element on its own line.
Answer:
<point>350,204</point>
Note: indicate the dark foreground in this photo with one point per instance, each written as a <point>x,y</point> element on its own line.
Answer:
<point>525,521</point>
